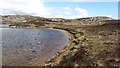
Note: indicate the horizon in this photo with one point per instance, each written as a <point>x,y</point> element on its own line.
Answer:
<point>57,17</point>
<point>67,10</point>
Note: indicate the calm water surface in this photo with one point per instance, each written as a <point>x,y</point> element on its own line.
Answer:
<point>4,25</point>
<point>26,47</point>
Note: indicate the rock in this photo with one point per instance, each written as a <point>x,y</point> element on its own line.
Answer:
<point>76,46</point>
<point>98,18</point>
<point>77,35</point>
<point>75,41</point>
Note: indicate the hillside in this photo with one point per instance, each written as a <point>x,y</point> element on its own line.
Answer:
<point>97,45</point>
<point>94,41</point>
<point>24,18</point>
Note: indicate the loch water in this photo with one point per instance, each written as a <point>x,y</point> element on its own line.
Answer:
<point>30,47</point>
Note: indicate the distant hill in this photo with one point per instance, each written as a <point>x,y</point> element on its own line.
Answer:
<point>11,19</point>
<point>21,18</point>
<point>98,18</point>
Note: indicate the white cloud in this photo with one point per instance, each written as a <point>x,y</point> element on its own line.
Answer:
<point>67,13</point>
<point>67,8</point>
<point>64,12</point>
<point>37,8</point>
<point>22,6</point>
<point>81,11</point>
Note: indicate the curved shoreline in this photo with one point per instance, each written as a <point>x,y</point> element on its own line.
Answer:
<point>91,42</point>
<point>58,57</point>
<point>87,45</point>
<point>63,32</point>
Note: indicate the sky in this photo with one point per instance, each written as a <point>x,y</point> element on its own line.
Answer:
<point>80,0</point>
<point>60,8</point>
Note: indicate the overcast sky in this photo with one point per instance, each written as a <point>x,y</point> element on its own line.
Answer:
<point>60,8</point>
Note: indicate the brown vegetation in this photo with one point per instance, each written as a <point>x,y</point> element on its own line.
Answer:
<point>93,42</point>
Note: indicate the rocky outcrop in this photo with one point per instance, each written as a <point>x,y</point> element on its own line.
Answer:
<point>98,18</point>
<point>56,19</point>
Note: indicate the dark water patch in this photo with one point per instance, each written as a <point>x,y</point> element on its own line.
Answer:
<point>26,47</point>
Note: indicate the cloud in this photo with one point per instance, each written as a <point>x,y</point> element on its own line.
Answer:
<point>81,11</point>
<point>67,12</point>
<point>27,7</point>
<point>37,8</point>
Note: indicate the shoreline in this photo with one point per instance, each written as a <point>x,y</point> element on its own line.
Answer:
<point>92,41</point>
<point>58,57</point>
<point>60,53</point>
<point>87,45</point>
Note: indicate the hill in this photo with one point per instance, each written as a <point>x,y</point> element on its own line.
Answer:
<point>94,41</point>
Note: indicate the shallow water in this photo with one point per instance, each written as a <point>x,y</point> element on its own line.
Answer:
<point>30,47</point>
<point>4,25</point>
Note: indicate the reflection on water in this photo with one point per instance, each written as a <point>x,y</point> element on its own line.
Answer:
<point>4,25</point>
<point>30,46</point>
